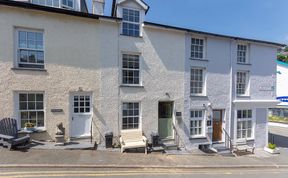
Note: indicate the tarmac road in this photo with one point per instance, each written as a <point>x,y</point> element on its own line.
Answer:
<point>145,173</point>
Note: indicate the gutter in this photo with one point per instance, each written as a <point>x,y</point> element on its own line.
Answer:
<point>31,6</point>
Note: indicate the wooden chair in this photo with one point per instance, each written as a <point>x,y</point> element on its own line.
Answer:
<point>9,135</point>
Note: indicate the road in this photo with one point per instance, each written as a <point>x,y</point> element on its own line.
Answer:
<point>146,173</point>
<point>278,134</point>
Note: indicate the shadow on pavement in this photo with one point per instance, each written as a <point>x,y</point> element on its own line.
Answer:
<point>279,140</point>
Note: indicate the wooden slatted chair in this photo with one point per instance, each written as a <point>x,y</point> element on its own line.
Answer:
<point>9,135</point>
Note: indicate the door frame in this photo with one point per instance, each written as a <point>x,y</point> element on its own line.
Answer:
<point>223,118</point>
<point>71,94</point>
<point>173,117</point>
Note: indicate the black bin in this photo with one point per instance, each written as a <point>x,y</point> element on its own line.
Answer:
<point>155,139</point>
<point>109,140</point>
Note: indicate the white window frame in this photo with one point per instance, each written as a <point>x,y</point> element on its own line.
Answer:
<point>139,115</point>
<point>198,119</point>
<point>122,68</point>
<point>203,93</point>
<point>18,110</point>
<point>130,22</point>
<point>204,48</point>
<point>246,119</point>
<point>247,83</point>
<point>18,48</point>
<point>246,54</point>
<point>66,6</point>
<point>82,94</point>
<point>60,4</point>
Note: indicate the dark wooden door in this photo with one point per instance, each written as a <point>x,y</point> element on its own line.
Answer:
<point>217,125</point>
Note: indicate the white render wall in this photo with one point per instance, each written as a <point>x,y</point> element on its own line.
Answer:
<point>87,53</point>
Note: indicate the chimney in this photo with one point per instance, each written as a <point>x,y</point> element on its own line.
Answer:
<point>98,7</point>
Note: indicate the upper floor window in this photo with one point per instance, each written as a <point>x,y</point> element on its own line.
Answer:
<point>244,124</point>
<point>130,69</point>
<point>131,22</point>
<point>68,3</point>
<point>197,123</point>
<point>242,54</point>
<point>30,50</point>
<point>197,81</point>
<point>55,3</point>
<point>197,48</point>
<point>242,83</point>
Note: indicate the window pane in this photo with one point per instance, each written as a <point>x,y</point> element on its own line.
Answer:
<point>39,97</point>
<point>31,105</point>
<point>22,97</point>
<point>39,105</point>
<point>31,97</point>
<point>23,105</point>
<point>32,56</point>
<point>23,56</point>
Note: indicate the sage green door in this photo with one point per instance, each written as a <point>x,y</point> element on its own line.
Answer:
<point>165,120</point>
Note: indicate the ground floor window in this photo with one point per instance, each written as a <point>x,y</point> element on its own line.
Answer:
<point>31,109</point>
<point>244,124</point>
<point>196,123</point>
<point>130,115</point>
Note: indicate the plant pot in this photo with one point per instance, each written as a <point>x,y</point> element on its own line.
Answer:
<point>272,151</point>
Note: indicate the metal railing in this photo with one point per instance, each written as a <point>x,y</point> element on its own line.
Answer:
<point>177,137</point>
<point>228,140</point>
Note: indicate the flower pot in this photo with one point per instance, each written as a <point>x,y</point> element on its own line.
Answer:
<point>272,151</point>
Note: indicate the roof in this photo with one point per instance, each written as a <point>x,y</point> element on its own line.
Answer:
<point>93,16</point>
<point>31,6</point>
<point>213,34</point>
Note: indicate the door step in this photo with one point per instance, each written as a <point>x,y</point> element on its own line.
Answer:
<point>221,149</point>
<point>170,146</point>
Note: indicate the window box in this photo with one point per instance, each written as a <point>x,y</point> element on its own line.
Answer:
<point>272,151</point>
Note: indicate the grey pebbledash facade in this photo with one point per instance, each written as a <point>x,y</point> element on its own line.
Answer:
<point>120,72</point>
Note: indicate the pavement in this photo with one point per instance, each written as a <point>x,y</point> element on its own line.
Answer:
<point>34,158</point>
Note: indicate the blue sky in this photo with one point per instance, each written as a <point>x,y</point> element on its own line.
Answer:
<point>258,19</point>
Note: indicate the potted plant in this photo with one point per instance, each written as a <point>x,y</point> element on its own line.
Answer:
<point>271,148</point>
<point>29,126</point>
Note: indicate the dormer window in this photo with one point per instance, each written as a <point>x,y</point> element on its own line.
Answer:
<point>131,22</point>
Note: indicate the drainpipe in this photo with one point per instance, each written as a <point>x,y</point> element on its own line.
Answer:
<point>231,92</point>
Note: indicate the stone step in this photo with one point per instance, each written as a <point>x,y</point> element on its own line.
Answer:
<point>170,146</point>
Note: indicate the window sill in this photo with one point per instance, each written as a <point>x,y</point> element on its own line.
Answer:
<point>197,137</point>
<point>131,36</point>
<point>243,96</point>
<point>131,86</point>
<point>198,96</point>
<point>204,60</point>
<point>29,69</point>
<point>37,130</point>
<point>245,64</point>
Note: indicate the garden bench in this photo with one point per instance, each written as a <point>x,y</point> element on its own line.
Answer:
<point>242,145</point>
<point>9,135</point>
<point>132,139</point>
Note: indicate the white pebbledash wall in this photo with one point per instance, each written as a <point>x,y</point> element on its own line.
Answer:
<point>87,53</point>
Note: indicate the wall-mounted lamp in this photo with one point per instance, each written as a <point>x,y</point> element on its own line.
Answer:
<point>80,89</point>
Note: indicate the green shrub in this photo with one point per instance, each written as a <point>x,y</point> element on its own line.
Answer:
<point>272,146</point>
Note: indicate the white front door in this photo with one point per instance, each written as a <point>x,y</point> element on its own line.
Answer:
<point>81,115</point>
